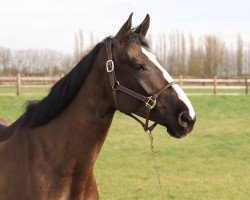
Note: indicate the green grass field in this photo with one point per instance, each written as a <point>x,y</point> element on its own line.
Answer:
<point>211,163</point>
<point>5,91</point>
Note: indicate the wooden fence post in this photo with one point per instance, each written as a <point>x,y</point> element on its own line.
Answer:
<point>246,82</point>
<point>18,84</point>
<point>181,80</point>
<point>203,83</point>
<point>215,84</point>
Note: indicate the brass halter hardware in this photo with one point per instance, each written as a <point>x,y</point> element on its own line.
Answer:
<point>150,103</point>
<point>110,66</point>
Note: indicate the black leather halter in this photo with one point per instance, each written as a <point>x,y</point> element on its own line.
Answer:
<point>150,101</point>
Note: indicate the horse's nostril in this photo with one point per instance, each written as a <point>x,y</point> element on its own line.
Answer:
<point>184,119</point>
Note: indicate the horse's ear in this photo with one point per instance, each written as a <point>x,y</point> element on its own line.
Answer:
<point>142,29</point>
<point>124,31</point>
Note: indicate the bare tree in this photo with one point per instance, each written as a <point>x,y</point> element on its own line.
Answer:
<point>91,40</point>
<point>172,54</point>
<point>81,53</point>
<point>192,56</point>
<point>183,54</point>
<point>239,55</point>
<point>214,57</point>
<point>76,49</point>
<point>5,58</point>
<point>149,39</point>
<point>248,66</point>
<point>178,52</point>
<point>164,50</point>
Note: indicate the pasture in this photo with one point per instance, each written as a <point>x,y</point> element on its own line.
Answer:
<point>211,163</point>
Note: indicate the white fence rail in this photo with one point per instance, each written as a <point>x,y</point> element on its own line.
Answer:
<point>23,81</point>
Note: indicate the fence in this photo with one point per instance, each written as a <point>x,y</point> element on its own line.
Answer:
<point>187,83</point>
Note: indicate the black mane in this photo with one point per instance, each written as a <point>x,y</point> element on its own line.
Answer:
<point>61,94</point>
<point>40,112</point>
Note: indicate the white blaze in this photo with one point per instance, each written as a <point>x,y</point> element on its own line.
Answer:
<point>181,94</point>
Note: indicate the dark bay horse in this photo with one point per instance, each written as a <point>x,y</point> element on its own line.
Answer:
<point>50,151</point>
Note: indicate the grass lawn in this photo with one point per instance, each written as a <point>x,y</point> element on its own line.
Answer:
<point>211,163</point>
<point>4,91</point>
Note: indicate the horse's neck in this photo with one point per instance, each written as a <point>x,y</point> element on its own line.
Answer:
<point>76,136</point>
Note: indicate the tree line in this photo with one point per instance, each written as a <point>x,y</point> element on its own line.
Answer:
<point>205,56</point>
<point>33,61</point>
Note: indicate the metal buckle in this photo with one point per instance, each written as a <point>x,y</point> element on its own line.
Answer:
<point>150,103</point>
<point>109,66</point>
<point>116,85</point>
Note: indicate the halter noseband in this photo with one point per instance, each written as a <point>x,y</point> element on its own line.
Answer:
<point>150,101</point>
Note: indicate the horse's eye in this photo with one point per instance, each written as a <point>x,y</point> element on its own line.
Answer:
<point>139,67</point>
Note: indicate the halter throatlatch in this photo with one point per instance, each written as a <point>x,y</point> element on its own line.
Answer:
<point>150,101</point>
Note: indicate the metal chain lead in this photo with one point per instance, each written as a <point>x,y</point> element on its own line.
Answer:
<point>156,166</point>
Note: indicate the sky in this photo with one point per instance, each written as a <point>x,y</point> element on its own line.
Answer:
<point>53,23</point>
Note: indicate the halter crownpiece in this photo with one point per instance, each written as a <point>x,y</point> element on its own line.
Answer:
<point>150,101</point>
